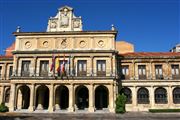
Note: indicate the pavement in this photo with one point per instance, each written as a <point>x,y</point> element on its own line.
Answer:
<point>90,116</point>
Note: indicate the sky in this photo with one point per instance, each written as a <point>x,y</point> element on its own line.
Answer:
<point>151,25</point>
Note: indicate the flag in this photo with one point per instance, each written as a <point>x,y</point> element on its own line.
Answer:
<point>63,66</point>
<point>57,65</point>
<point>53,63</point>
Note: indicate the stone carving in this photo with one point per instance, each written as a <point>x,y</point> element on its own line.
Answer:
<point>45,44</point>
<point>53,24</point>
<point>82,44</point>
<point>76,23</point>
<point>28,44</point>
<point>64,43</point>
<point>64,18</point>
<point>101,43</point>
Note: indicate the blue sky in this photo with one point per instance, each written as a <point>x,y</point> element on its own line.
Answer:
<point>151,25</point>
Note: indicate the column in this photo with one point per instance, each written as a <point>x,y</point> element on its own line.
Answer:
<point>71,98</point>
<point>31,104</point>
<point>91,98</point>
<point>134,98</point>
<point>92,64</point>
<point>51,96</point>
<point>19,99</point>
<point>72,66</point>
<point>111,57</point>
<point>111,98</point>
<point>15,66</point>
<point>12,98</point>
<point>5,71</point>
<point>2,94</point>
<point>170,97</point>
<point>151,97</point>
<point>34,66</point>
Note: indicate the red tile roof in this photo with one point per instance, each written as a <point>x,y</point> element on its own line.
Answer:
<point>9,50</point>
<point>151,54</point>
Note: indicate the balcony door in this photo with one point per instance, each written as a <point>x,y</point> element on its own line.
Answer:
<point>82,68</point>
<point>101,68</point>
<point>25,69</point>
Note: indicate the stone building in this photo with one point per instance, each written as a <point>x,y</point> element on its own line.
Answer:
<point>66,69</point>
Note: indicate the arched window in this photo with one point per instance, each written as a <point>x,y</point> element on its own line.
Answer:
<point>7,95</point>
<point>160,96</point>
<point>143,96</point>
<point>176,95</point>
<point>127,92</point>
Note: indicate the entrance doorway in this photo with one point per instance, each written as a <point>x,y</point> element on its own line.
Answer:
<point>101,97</point>
<point>42,97</point>
<point>82,97</point>
<point>62,97</point>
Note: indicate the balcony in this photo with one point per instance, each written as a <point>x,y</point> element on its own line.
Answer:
<point>25,73</point>
<point>142,77</point>
<point>70,76</point>
<point>125,77</point>
<point>175,77</point>
<point>159,77</point>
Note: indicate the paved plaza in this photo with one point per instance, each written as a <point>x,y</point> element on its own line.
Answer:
<point>88,116</point>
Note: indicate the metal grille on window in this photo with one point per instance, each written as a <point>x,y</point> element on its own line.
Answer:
<point>143,96</point>
<point>160,96</point>
<point>176,95</point>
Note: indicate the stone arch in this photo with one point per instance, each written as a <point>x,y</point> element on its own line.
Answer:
<point>143,96</point>
<point>161,95</point>
<point>128,93</point>
<point>176,95</point>
<point>82,97</point>
<point>101,97</point>
<point>42,97</point>
<point>23,97</point>
<point>61,97</point>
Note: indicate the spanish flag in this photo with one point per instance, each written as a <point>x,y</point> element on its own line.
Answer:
<point>57,65</point>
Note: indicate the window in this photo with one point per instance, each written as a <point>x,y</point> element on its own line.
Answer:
<point>10,71</point>
<point>101,68</point>
<point>142,71</point>
<point>143,96</point>
<point>127,92</point>
<point>176,95</point>
<point>44,67</point>
<point>175,71</point>
<point>160,96</point>
<point>82,68</point>
<point>125,72</point>
<point>0,72</point>
<point>25,70</point>
<point>63,68</point>
<point>158,71</point>
<point>7,95</point>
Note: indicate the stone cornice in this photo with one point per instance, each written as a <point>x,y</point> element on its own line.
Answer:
<point>64,33</point>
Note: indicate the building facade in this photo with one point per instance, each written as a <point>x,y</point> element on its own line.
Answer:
<point>66,69</point>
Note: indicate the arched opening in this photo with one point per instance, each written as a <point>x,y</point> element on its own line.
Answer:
<point>101,97</point>
<point>82,97</point>
<point>127,92</point>
<point>176,95</point>
<point>7,95</point>
<point>62,97</point>
<point>143,96</point>
<point>42,97</point>
<point>160,96</point>
<point>23,97</point>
